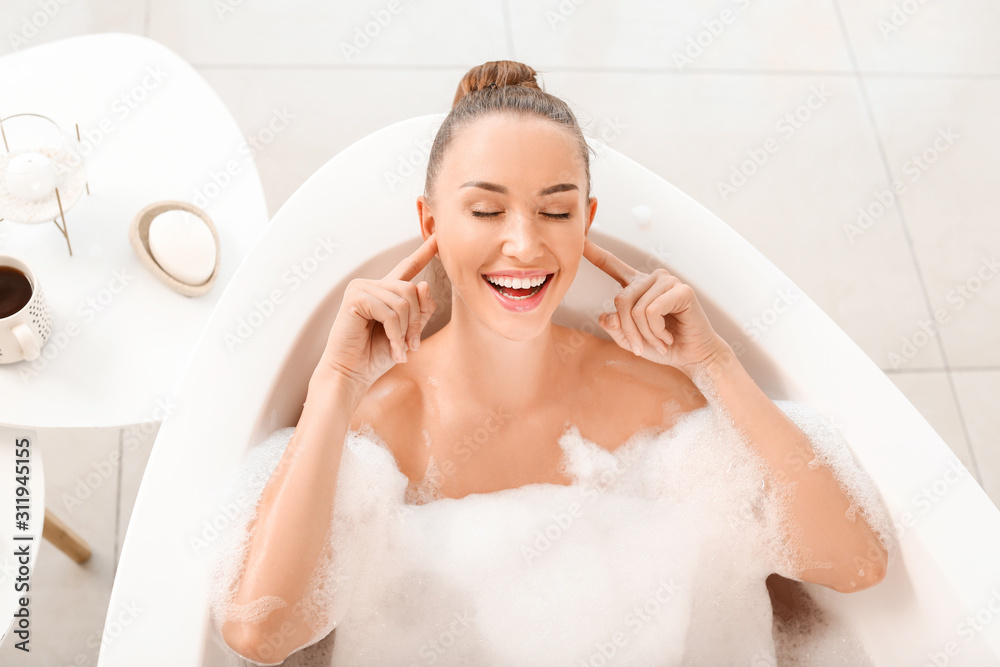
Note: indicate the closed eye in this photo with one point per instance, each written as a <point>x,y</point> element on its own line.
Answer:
<point>493,214</point>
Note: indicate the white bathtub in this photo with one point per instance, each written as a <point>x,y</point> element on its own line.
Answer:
<point>282,300</point>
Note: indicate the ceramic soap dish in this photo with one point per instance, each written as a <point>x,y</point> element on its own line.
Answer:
<point>181,254</point>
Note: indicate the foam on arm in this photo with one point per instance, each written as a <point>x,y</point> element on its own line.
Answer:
<point>833,452</point>
<point>767,514</point>
<point>368,488</point>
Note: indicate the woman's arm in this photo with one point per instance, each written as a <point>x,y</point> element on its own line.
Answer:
<point>658,317</point>
<point>377,321</point>
<point>817,510</point>
<point>295,512</point>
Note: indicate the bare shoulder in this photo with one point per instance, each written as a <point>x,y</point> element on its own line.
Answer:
<point>620,373</point>
<point>392,407</point>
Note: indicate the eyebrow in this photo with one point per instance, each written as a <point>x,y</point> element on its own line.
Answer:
<point>552,189</point>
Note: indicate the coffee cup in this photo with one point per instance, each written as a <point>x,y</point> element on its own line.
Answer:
<point>25,320</point>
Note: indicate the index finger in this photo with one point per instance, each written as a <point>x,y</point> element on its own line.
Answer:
<point>415,262</point>
<point>608,263</point>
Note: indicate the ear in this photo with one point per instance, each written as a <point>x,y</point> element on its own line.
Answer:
<point>591,212</point>
<point>426,217</point>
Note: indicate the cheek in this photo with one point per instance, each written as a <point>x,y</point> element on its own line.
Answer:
<point>571,250</point>
<point>460,259</point>
<point>571,266</point>
<point>463,249</point>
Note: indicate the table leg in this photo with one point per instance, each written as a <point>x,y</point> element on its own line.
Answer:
<point>64,539</point>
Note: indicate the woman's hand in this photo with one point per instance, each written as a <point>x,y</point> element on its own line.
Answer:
<point>379,320</point>
<point>658,316</point>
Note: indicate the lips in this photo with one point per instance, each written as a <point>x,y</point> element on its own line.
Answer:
<point>519,299</point>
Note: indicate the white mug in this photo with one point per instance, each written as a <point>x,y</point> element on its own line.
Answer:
<point>24,332</point>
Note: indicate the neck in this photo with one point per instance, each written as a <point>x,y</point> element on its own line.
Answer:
<point>493,370</point>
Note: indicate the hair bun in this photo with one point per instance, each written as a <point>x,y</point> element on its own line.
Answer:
<point>498,72</point>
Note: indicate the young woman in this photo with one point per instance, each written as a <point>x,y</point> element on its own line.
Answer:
<point>507,209</point>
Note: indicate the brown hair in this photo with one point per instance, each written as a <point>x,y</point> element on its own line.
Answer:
<point>501,86</point>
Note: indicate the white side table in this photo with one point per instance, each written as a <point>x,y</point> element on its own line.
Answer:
<point>151,129</point>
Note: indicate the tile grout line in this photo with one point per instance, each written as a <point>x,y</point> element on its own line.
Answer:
<point>624,69</point>
<point>508,28</point>
<point>118,495</point>
<point>953,369</point>
<point>446,67</point>
<point>965,426</point>
<point>906,230</point>
<point>145,19</point>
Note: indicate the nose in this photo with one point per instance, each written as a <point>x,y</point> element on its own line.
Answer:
<point>521,238</point>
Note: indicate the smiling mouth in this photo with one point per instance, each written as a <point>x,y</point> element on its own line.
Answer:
<point>518,294</point>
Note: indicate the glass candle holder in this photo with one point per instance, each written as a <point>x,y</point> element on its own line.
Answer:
<point>42,174</point>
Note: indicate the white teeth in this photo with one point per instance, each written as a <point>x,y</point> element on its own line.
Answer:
<point>516,283</point>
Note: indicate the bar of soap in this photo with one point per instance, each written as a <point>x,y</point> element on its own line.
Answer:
<point>183,246</point>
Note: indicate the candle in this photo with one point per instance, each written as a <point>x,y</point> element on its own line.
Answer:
<point>31,176</point>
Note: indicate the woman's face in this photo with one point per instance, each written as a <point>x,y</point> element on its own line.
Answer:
<point>510,201</point>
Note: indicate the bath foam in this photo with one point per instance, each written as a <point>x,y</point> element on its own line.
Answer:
<point>656,554</point>
<point>358,522</point>
<point>832,452</point>
<point>803,632</point>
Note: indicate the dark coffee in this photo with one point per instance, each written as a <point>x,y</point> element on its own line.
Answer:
<point>15,290</point>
